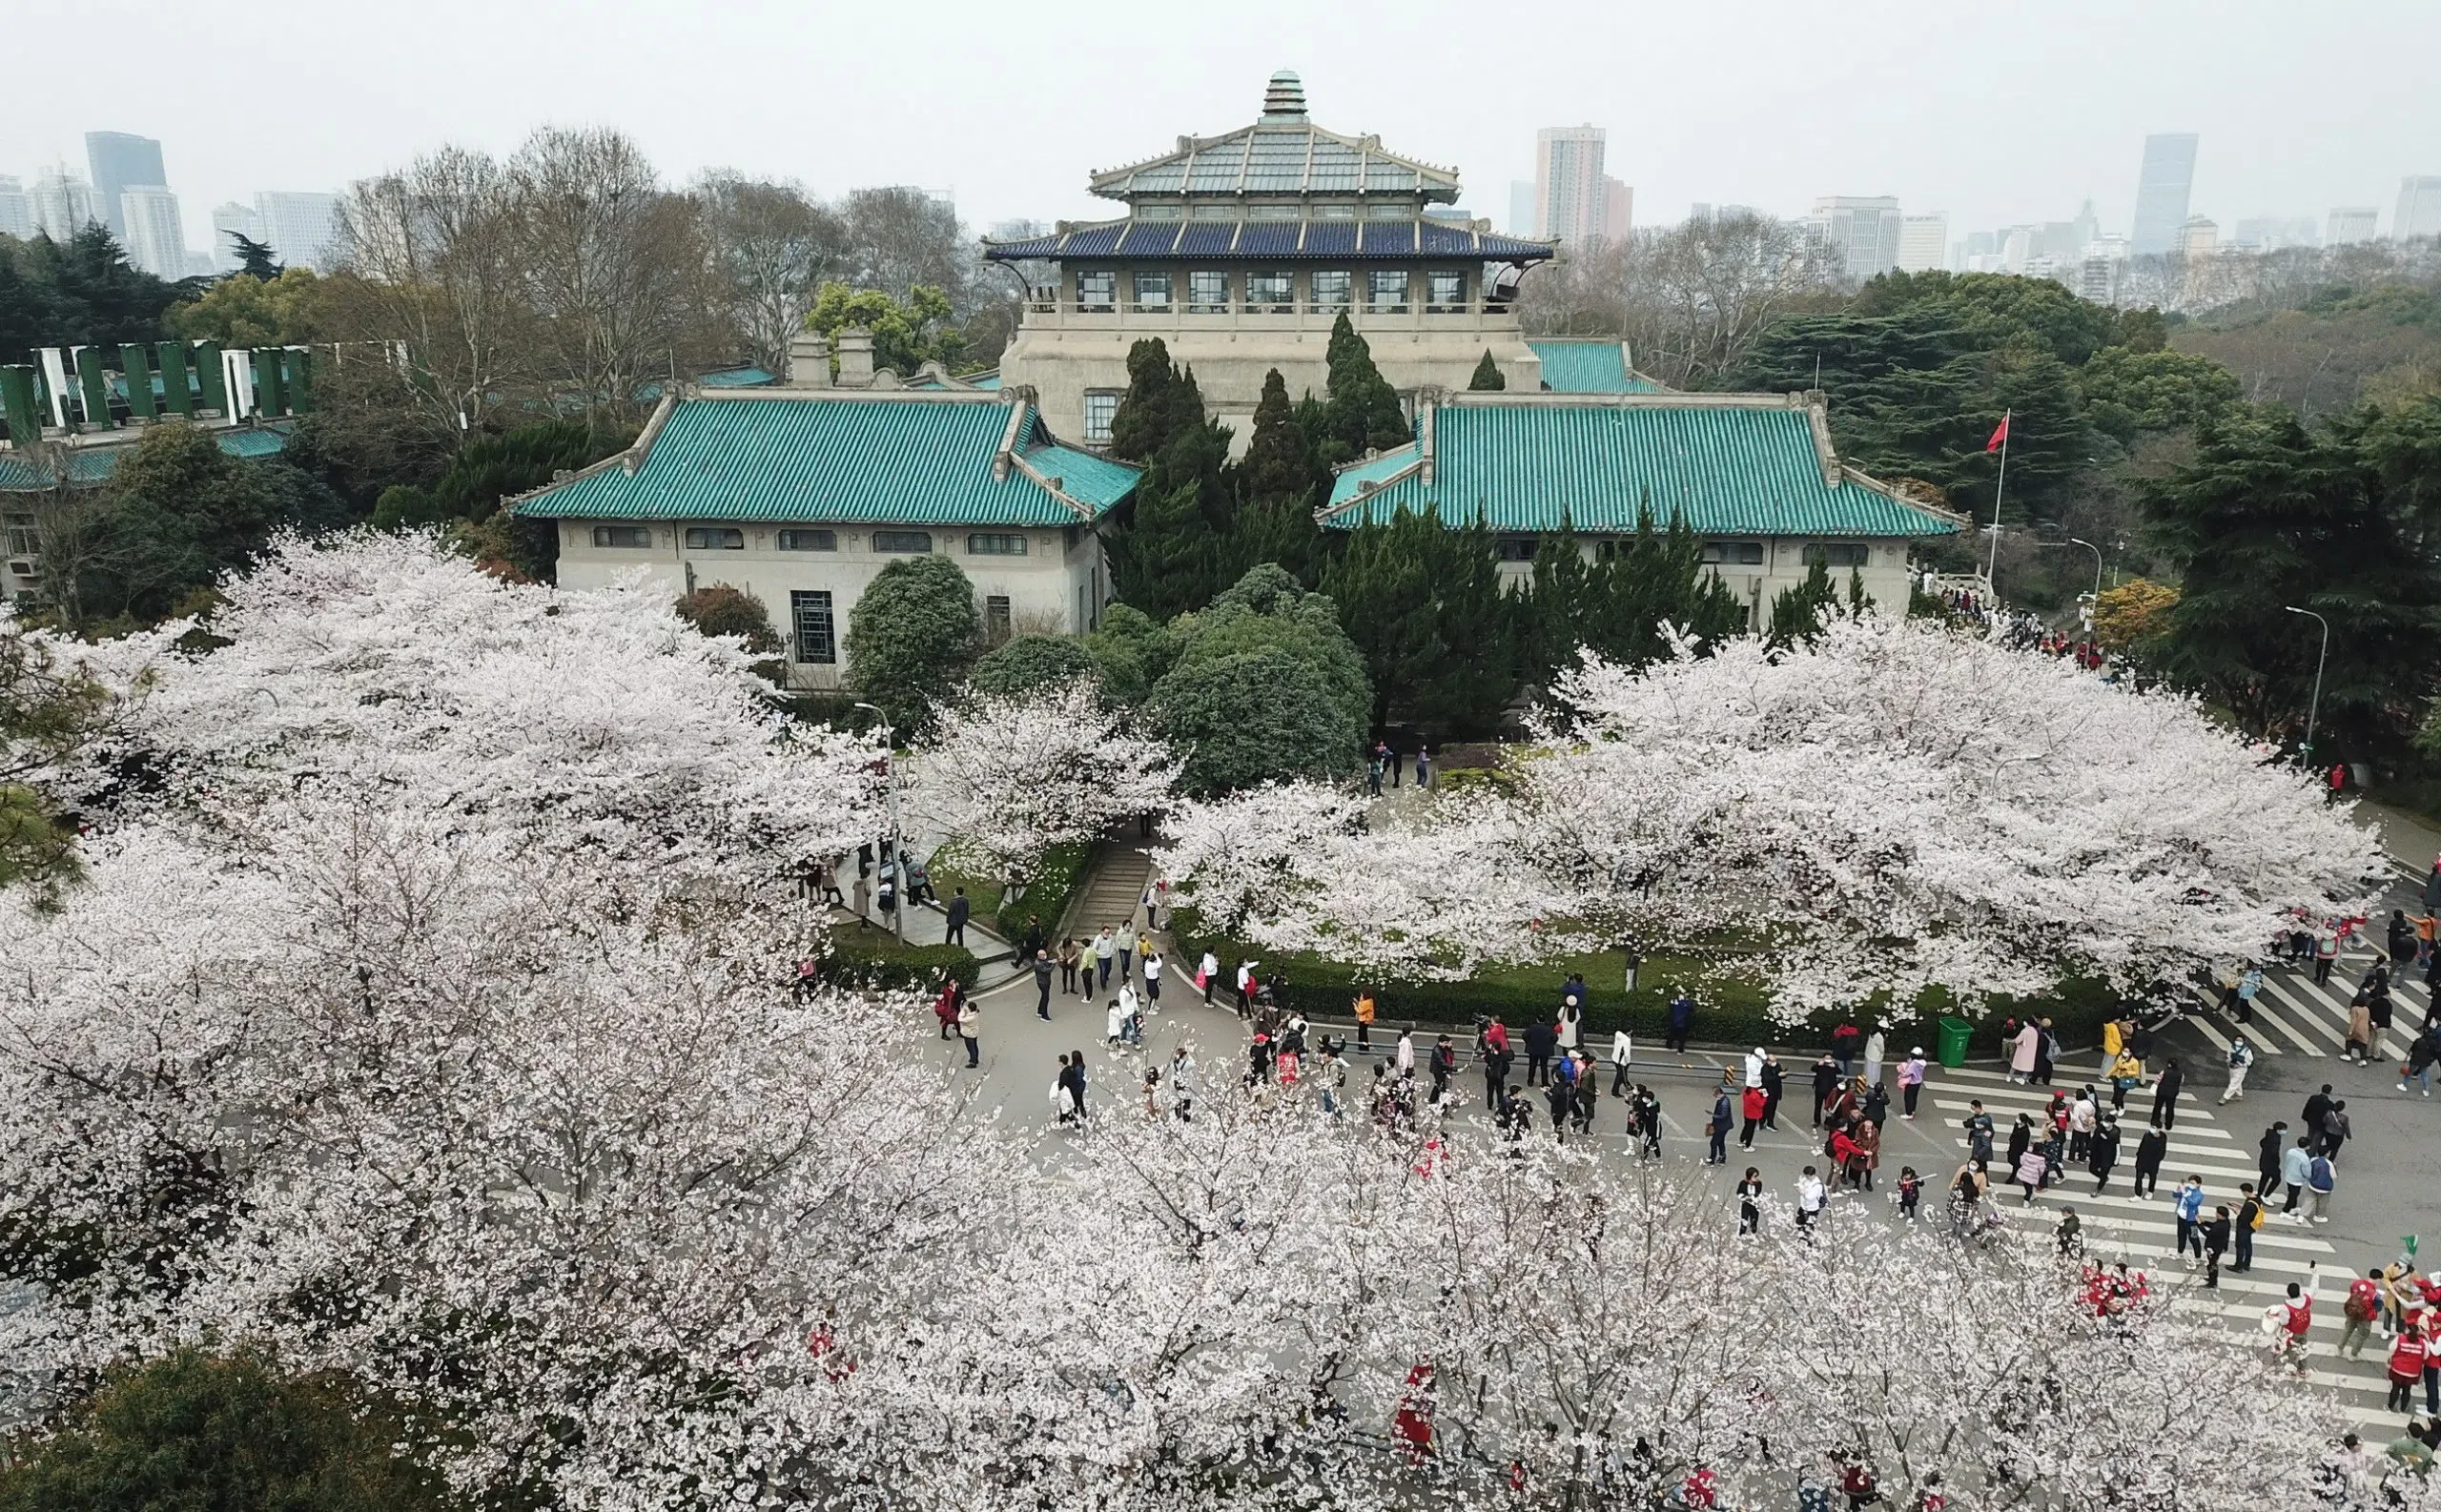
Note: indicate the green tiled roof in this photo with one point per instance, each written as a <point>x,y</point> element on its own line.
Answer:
<point>1726,469</point>
<point>1588,367</point>
<point>846,461</point>
<point>90,464</point>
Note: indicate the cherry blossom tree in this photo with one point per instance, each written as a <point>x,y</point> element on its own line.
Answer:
<point>1009,775</point>
<point>1889,808</point>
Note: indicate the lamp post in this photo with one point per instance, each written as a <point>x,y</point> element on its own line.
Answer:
<point>2096,551</point>
<point>2314,709</point>
<point>897,841</point>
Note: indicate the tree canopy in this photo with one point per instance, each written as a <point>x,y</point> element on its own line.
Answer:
<point>1264,684</point>
<point>910,638</point>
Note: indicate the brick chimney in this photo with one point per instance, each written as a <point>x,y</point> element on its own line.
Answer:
<point>856,358</point>
<point>809,360</point>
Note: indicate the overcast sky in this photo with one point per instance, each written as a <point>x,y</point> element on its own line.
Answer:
<point>1994,113</point>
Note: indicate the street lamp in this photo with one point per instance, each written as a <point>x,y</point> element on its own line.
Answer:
<point>897,841</point>
<point>2315,707</point>
<point>2096,551</point>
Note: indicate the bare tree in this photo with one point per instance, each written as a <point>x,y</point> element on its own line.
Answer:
<point>608,258</point>
<point>900,236</point>
<point>772,247</point>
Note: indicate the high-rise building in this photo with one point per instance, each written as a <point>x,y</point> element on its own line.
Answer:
<point>1924,242</point>
<point>228,218</point>
<point>17,210</point>
<point>155,238</point>
<point>2200,236</point>
<point>62,204</point>
<point>2162,192</point>
<point>2098,271</point>
<point>1862,230</point>
<point>2271,232</point>
<point>303,229</point>
<point>1569,195</point>
<point>2419,211</point>
<point>121,162</point>
<point>2351,223</point>
<point>1618,210</point>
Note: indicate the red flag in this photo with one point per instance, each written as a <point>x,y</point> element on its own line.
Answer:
<point>1999,433</point>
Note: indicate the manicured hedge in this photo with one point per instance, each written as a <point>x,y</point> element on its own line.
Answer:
<point>877,958</point>
<point>1728,1011</point>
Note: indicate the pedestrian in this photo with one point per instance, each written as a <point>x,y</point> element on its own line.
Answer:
<point>2149,1151</point>
<point>1750,1201</point>
<point>1868,1152</point>
<point>1333,1078</point>
<point>970,1026</point>
<point>1445,1065</point>
<point>2188,1207</point>
<point>2267,1155</point>
<point>2249,1217</point>
<point>945,1008</point>
<point>2326,952</point>
<point>1622,1054</point>
<point>1087,957</point>
<point>1422,765</point>
<point>2322,1180</point>
<point>1115,1021</point>
<point>2422,1051</point>
<point>2360,1028</point>
<point>2241,1057</point>
<point>2377,1017</point>
<point>1844,1041</point>
<point>1541,1040</point>
<point>1152,973</point>
<point>2069,1235</point>
<point>1402,1057</point>
<point>1812,1196</point>
<point>1206,972</point>
<point>2104,1154</point>
<point>1752,1104</point>
<point>1077,1082</point>
<point>2296,1318</point>
<point>1182,1082</point>
<point>2020,1140</point>
<point>1773,1085</point>
<point>1042,985</point>
<point>1911,1081</point>
<point>1827,1076</point>
<point>1124,936</point>
<point>2021,1049</point>
<point>2165,1094</point>
<point>2082,1117</point>
<point>2033,1173</point>
<point>2408,1356</point>
<point>1063,1105</point>
<point>2363,1305</point>
<point>1648,1111</point>
<point>2335,1129</point>
<point>1911,1191</point>
<point>2216,1243</point>
<point>959,910</point>
<point>1068,958</point>
<point>1977,1125</point>
<point>2046,1046</point>
<point>1377,768</point>
<point>1497,1059</point>
<point>1364,1012</point>
<point>1103,947</point>
<point>2296,1164</point>
<point>1681,1021</point>
<point>1397,762</point>
<point>1876,1045</point>
<point>2310,1123</point>
<point>1716,1127</point>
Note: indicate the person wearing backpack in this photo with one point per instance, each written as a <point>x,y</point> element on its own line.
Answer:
<point>2249,1219</point>
<point>2241,1060</point>
<point>2321,1181</point>
<point>2364,1304</point>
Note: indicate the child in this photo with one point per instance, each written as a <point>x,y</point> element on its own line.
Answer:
<point>1911,1187</point>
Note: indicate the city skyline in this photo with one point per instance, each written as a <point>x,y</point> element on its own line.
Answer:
<point>2000,155</point>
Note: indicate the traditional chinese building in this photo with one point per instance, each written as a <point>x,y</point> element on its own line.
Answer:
<point>1240,250</point>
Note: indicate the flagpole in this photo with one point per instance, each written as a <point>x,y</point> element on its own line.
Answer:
<point>1993,564</point>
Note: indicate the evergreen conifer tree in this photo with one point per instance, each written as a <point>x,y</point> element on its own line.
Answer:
<point>1168,558</point>
<point>1280,482</point>
<point>1488,377</point>
<point>1361,413</point>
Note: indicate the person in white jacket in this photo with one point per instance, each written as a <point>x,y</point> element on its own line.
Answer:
<point>1405,1056</point>
<point>1623,1051</point>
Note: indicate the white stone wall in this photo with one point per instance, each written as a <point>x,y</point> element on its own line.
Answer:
<point>1057,587</point>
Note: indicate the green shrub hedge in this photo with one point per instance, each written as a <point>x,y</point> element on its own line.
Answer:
<point>1728,1011</point>
<point>877,958</point>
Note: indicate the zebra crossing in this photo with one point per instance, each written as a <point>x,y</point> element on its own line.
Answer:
<point>2119,1226</point>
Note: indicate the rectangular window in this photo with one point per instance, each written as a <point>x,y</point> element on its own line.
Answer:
<point>1839,554</point>
<point>808,541</point>
<point>1385,289</point>
<point>701,538</point>
<point>810,612</point>
<point>1207,293</point>
<point>623,536</point>
<point>987,544</point>
<point>1517,548</point>
<point>1270,291</point>
<point>1332,290</point>
<point>1097,291</point>
<point>912,542</point>
<point>1389,210</point>
<point>1100,406</point>
<point>995,618</point>
<point>1152,290</point>
<point>1734,553</point>
<point>1448,290</point>
<point>1335,209</point>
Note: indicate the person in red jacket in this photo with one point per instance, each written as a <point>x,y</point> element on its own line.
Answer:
<point>2299,1316</point>
<point>1755,1103</point>
<point>2407,1367</point>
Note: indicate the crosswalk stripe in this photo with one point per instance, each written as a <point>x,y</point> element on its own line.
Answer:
<point>2294,994</point>
<point>2266,1013</point>
<point>2130,1125</point>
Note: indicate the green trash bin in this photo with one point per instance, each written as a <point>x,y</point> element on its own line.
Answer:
<point>1955,1034</point>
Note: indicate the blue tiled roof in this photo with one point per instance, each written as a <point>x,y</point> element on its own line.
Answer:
<point>1271,238</point>
<point>1726,468</point>
<point>1588,367</point>
<point>850,461</point>
<point>90,464</point>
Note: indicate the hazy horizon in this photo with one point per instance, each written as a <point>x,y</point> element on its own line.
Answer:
<point>1993,119</point>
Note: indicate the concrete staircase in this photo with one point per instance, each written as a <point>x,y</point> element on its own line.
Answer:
<point>1114,887</point>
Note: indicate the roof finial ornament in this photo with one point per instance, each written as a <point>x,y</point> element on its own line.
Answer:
<point>1283,98</point>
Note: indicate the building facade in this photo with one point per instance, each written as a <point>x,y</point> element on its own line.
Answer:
<point>2349,224</point>
<point>2419,208</point>
<point>1862,230</point>
<point>16,209</point>
<point>301,229</point>
<point>62,204</point>
<point>2161,189</point>
<point>801,495</point>
<point>1923,243</point>
<point>122,161</point>
<point>1570,190</point>
<point>1754,475</point>
<point>1239,252</point>
<point>156,237</point>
